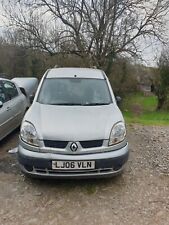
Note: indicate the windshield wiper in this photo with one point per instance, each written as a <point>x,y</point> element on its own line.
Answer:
<point>98,103</point>
<point>81,104</point>
<point>66,104</point>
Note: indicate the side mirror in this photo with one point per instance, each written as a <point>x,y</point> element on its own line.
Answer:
<point>23,91</point>
<point>1,104</point>
<point>31,98</point>
<point>118,99</point>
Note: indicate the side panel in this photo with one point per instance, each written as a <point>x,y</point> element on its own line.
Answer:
<point>6,119</point>
<point>18,109</point>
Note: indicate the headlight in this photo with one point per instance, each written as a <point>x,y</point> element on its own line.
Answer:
<point>117,134</point>
<point>28,134</point>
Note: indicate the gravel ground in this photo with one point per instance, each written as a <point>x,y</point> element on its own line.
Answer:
<point>139,196</point>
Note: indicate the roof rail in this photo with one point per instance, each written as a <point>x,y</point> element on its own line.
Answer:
<point>46,73</point>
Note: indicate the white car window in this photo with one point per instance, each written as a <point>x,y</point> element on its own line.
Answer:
<point>2,94</point>
<point>10,90</point>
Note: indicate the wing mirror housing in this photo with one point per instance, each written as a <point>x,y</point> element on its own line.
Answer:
<point>23,91</point>
<point>118,99</point>
<point>1,104</point>
<point>31,98</point>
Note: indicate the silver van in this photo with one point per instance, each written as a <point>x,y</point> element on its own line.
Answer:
<point>74,128</point>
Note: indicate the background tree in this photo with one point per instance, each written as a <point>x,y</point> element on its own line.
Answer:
<point>162,81</point>
<point>124,77</point>
<point>19,60</point>
<point>96,30</point>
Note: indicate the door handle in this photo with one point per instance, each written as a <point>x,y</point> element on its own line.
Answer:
<point>8,109</point>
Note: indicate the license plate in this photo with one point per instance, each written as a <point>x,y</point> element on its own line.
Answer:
<point>73,165</point>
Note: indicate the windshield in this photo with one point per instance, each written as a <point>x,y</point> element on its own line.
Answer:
<point>74,91</point>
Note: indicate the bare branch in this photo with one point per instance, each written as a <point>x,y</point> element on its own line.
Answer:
<point>96,30</point>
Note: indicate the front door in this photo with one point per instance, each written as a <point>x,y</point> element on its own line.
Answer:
<point>6,115</point>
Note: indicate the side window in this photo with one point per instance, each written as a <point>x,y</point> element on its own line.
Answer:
<point>10,90</point>
<point>2,94</point>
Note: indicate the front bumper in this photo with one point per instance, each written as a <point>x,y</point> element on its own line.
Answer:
<point>39,164</point>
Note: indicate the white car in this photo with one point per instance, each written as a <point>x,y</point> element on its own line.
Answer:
<point>29,84</point>
<point>74,127</point>
<point>13,105</point>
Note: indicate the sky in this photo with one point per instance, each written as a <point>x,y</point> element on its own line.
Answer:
<point>149,54</point>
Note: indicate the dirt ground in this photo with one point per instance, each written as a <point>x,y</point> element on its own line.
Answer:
<point>139,196</point>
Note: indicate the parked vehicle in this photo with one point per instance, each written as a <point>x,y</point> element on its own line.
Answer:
<point>74,128</point>
<point>28,86</point>
<point>13,105</point>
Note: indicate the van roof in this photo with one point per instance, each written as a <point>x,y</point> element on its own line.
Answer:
<point>75,72</point>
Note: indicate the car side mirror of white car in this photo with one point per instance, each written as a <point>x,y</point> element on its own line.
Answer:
<point>31,98</point>
<point>1,104</point>
<point>118,99</point>
<point>23,91</point>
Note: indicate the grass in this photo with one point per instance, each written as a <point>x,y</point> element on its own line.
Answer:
<point>138,108</point>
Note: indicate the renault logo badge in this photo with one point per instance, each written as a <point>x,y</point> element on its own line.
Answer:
<point>74,147</point>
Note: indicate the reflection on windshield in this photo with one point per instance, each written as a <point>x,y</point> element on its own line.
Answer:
<point>74,91</point>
